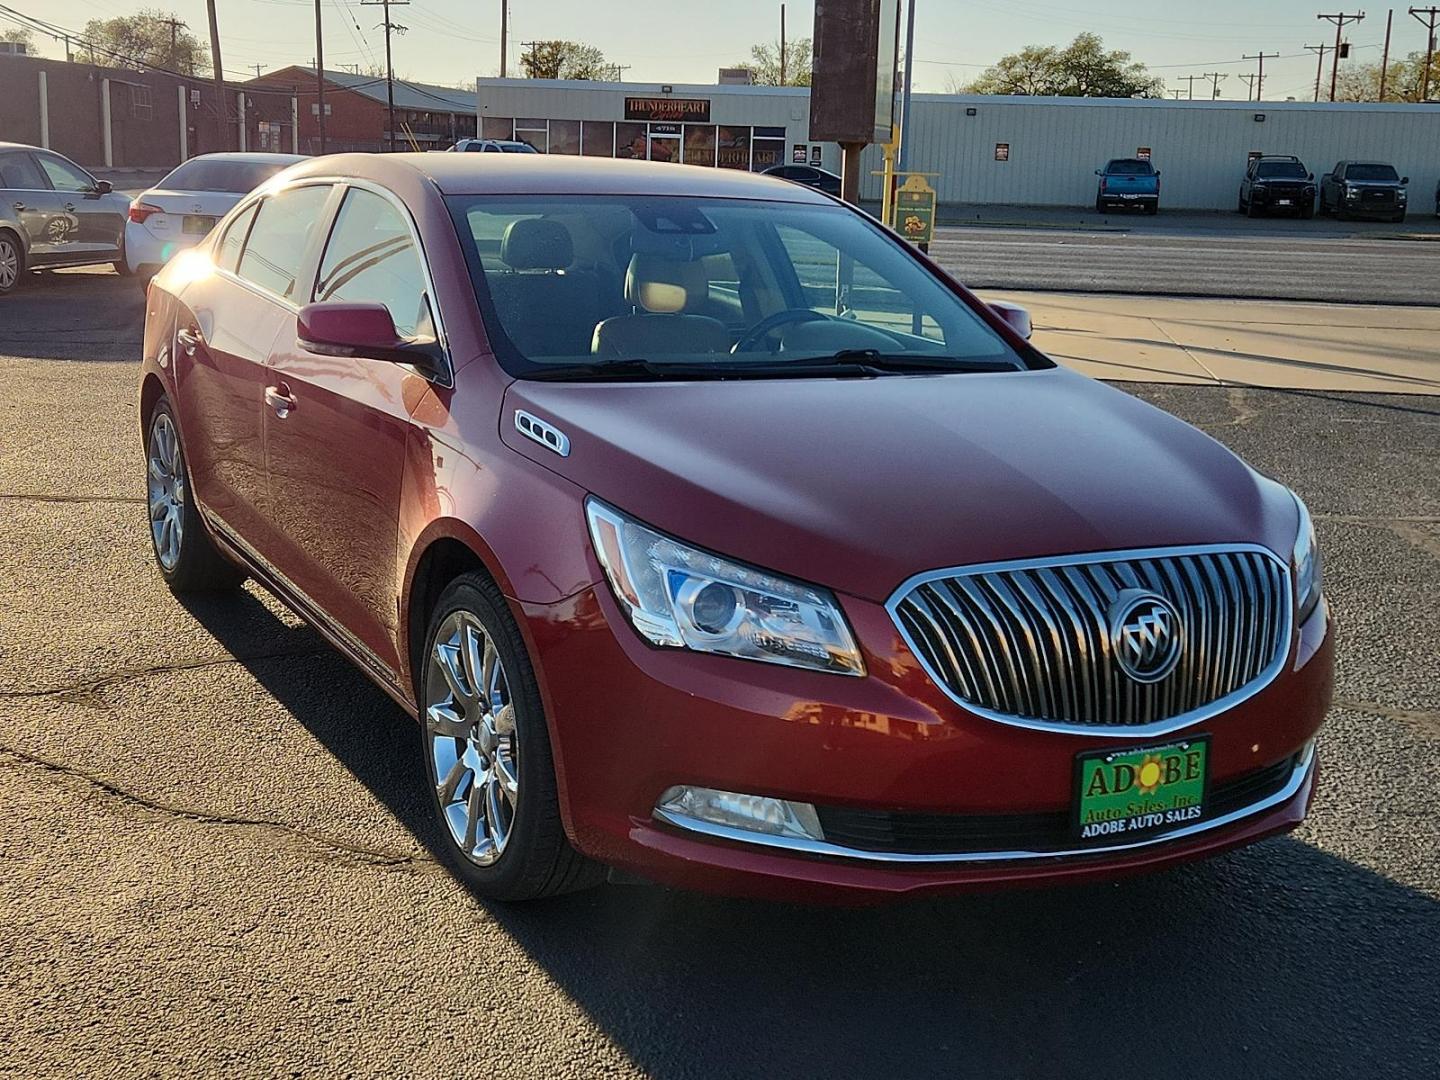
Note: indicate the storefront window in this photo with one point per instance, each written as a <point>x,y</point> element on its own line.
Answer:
<point>599,139</point>
<point>699,144</point>
<point>768,152</point>
<point>734,148</point>
<point>564,136</point>
<point>631,142</point>
<point>497,127</point>
<point>534,132</point>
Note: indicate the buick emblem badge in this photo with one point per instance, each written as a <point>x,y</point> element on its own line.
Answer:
<point>1145,634</point>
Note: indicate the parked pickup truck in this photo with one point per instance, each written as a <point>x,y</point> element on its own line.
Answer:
<point>1128,182</point>
<point>1364,189</point>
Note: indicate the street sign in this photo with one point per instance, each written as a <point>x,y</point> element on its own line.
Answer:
<point>852,88</point>
<point>915,210</point>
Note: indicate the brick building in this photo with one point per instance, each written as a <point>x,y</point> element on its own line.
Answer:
<point>356,114</point>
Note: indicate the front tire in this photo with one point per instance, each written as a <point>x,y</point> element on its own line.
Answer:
<point>486,752</point>
<point>187,559</point>
<point>12,262</point>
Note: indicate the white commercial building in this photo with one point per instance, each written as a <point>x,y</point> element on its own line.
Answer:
<point>985,150</point>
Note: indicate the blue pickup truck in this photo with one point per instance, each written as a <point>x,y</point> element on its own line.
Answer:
<point>1128,182</point>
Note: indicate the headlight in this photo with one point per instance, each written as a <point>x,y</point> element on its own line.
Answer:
<point>682,597</point>
<point>1307,563</point>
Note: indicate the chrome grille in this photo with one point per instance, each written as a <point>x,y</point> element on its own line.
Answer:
<point>1030,643</point>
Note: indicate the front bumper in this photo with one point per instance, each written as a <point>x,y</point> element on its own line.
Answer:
<point>629,721</point>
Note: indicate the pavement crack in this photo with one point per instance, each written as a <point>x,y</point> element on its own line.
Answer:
<point>1426,720</point>
<point>86,691</point>
<point>352,852</point>
<point>23,497</point>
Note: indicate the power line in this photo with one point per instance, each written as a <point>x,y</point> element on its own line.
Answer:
<point>1339,19</point>
<point>389,64</point>
<point>1431,15</point>
<point>1261,56</point>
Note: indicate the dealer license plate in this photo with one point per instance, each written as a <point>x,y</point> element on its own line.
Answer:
<point>1126,794</point>
<point>197,225</point>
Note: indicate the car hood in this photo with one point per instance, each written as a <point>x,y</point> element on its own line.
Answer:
<point>859,483</point>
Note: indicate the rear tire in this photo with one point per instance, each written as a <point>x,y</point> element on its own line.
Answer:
<point>188,560</point>
<point>486,752</point>
<point>12,262</point>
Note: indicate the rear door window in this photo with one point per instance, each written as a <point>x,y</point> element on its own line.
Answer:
<point>18,172</point>
<point>372,258</point>
<point>274,254</point>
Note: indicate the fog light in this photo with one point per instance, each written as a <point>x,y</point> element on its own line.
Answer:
<point>747,813</point>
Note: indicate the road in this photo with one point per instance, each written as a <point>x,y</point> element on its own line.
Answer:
<point>215,858</point>
<point>1348,264</point>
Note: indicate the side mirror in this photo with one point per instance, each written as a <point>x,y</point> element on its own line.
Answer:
<point>1404,179</point>
<point>363,331</point>
<point>1017,317</point>
<point>103,187</point>
<point>1157,172</point>
<point>1099,172</point>
<point>1310,177</point>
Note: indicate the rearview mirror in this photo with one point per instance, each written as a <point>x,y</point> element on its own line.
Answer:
<point>364,331</point>
<point>1016,316</point>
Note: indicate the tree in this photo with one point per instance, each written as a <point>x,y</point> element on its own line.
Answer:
<point>563,60</point>
<point>149,38</point>
<point>19,35</point>
<point>1404,83</point>
<point>764,63</point>
<point>1081,69</point>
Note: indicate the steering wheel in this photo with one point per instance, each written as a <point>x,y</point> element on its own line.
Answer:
<point>771,323</point>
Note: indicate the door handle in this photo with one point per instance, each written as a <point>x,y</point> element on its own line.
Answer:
<point>189,340</point>
<point>279,400</point>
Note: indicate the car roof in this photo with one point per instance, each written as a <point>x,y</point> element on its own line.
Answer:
<point>554,174</point>
<point>255,157</point>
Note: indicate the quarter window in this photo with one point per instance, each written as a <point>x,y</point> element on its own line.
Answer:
<point>65,176</point>
<point>371,258</point>
<point>275,251</point>
<point>228,255</point>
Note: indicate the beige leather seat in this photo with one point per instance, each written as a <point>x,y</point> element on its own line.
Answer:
<point>662,289</point>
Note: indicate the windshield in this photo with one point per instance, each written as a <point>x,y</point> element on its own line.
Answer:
<point>1281,170</point>
<point>1127,167</point>
<point>1371,172</point>
<point>237,177</point>
<point>716,287</point>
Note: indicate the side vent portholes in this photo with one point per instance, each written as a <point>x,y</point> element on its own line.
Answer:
<point>547,435</point>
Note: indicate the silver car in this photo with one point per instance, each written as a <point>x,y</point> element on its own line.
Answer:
<point>54,213</point>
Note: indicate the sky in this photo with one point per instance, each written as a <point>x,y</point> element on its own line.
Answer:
<point>450,41</point>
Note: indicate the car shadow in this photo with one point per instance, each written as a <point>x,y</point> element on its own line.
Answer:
<point>1281,960</point>
<point>84,314</point>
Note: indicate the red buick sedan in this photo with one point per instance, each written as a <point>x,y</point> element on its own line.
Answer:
<point>711,533</point>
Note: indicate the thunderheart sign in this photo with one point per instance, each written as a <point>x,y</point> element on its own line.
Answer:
<point>1153,789</point>
<point>696,110</point>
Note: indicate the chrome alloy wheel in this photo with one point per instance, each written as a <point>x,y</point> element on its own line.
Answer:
<point>165,482</point>
<point>473,745</point>
<point>9,263</point>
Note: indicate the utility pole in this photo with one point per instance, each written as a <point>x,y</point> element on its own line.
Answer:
<point>175,25</point>
<point>221,102</point>
<point>1262,56</point>
<point>257,68</point>
<point>782,44</point>
<point>319,77</point>
<point>1339,20</point>
<point>504,32</point>
<point>1431,15</point>
<point>902,159</point>
<point>1249,86</point>
<point>1385,56</point>
<point>1176,93</point>
<point>1189,81</point>
<point>1215,77</point>
<point>389,63</point>
<point>1320,50</point>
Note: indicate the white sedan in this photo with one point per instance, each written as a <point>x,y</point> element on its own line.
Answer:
<point>179,211</point>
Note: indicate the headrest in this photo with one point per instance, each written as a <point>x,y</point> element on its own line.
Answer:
<point>536,244</point>
<point>662,285</point>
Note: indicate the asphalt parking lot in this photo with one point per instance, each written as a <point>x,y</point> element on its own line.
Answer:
<point>215,858</point>
<point>1352,262</point>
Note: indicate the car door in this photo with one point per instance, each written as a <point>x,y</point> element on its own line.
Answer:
<point>96,221</point>
<point>337,439</point>
<point>226,326</point>
<point>27,202</point>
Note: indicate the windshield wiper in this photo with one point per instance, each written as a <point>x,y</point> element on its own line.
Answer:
<point>890,363</point>
<point>619,369</point>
